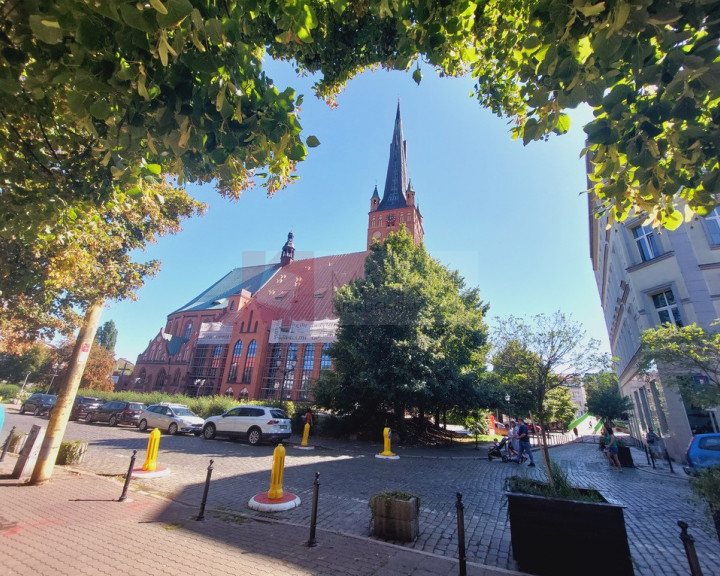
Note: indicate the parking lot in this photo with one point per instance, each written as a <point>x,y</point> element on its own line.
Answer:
<point>350,474</point>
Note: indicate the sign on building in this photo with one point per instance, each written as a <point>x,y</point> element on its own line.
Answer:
<point>302,331</point>
<point>214,333</point>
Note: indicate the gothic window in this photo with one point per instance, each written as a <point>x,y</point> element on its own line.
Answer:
<point>667,308</point>
<point>713,225</point>
<point>188,330</point>
<point>307,370</point>
<point>199,359</point>
<point>646,242</point>
<point>249,362</point>
<point>176,378</point>
<point>290,364</point>
<point>325,360</point>
<point>215,362</point>
<point>235,361</point>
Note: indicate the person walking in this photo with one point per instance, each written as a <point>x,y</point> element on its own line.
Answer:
<point>513,439</point>
<point>524,441</point>
<point>611,448</point>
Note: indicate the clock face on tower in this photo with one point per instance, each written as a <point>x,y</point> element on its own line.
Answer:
<point>390,220</point>
<point>377,234</point>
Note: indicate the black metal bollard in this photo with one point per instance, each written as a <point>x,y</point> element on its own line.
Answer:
<point>669,461</point>
<point>689,543</point>
<point>123,496</point>
<point>313,515</point>
<point>7,444</point>
<point>201,516</point>
<point>461,534</point>
<point>647,453</point>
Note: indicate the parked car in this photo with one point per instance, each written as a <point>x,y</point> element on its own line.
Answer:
<point>38,403</point>
<point>115,412</point>
<point>256,423</point>
<point>81,406</point>
<point>703,451</point>
<point>172,418</point>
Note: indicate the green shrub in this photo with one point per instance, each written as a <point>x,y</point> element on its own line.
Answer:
<point>71,452</point>
<point>8,392</point>
<point>706,483</point>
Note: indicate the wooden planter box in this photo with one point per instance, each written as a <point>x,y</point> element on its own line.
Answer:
<point>395,519</point>
<point>555,537</point>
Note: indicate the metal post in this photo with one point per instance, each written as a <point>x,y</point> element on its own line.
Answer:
<point>7,444</point>
<point>461,534</point>
<point>647,453</point>
<point>123,496</point>
<point>689,543</point>
<point>313,514</point>
<point>201,516</point>
<point>667,456</point>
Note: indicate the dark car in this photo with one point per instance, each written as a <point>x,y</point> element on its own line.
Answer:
<point>82,405</point>
<point>38,404</point>
<point>116,412</point>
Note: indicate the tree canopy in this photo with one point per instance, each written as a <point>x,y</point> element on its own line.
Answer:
<point>411,336</point>
<point>120,92</point>
<point>107,335</point>
<point>689,357</point>
<point>603,397</point>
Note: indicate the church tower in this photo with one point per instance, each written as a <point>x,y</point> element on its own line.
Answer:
<point>397,206</point>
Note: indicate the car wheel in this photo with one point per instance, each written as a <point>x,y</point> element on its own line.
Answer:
<point>50,413</point>
<point>172,429</point>
<point>88,418</point>
<point>142,425</point>
<point>22,409</point>
<point>37,411</point>
<point>254,436</point>
<point>113,420</point>
<point>208,431</point>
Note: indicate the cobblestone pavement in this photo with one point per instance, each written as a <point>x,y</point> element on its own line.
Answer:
<point>350,474</point>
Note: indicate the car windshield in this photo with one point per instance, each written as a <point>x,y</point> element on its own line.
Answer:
<point>277,413</point>
<point>49,398</point>
<point>184,412</point>
<point>134,406</point>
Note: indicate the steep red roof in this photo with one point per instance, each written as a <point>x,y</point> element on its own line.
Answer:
<point>304,289</point>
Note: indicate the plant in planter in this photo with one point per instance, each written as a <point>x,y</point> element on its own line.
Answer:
<point>706,484</point>
<point>562,530</point>
<point>71,453</point>
<point>395,515</point>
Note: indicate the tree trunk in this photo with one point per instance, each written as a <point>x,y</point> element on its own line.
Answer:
<point>69,387</point>
<point>544,447</point>
<point>437,419</point>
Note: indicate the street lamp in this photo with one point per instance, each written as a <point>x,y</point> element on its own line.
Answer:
<point>507,399</point>
<point>290,364</point>
<point>199,383</point>
<point>55,367</point>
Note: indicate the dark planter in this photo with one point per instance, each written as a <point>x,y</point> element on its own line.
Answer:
<point>625,457</point>
<point>555,537</point>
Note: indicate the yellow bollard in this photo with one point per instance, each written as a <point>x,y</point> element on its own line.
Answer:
<point>276,476</point>
<point>387,435</point>
<point>152,450</point>
<point>306,433</point>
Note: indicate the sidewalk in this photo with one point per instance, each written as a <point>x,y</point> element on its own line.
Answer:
<point>75,525</point>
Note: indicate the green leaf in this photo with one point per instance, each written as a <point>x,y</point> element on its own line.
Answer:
<point>46,29</point>
<point>592,9</point>
<point>563,124</point>
<point>417,75</point>
<point>159,6</point>
<point>100,110</point>
<point>154,168</point>
<point>672,220</point>
<point>312,142</point>
<point>177,11</point>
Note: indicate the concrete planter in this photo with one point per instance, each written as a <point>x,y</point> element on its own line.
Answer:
<point>71,453</point>
<point>556,537</point>
<point>395,517</point>
<point>625,457</point>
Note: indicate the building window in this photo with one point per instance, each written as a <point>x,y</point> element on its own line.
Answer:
<point>307,370</point>
<point>249,362</point>
<point>199,360</point>
<point>289,378</point>
<point>215,363</point>
<point>667,308</point>
<point>235,361</point>
<point>188,330</point>
<point>713,224</point>
<point>646,241</point>
<point>325,360</point>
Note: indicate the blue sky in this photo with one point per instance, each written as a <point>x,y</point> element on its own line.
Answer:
<point>511,218</point>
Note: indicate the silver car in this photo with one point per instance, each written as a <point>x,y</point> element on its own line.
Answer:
<point>172,418</point>
<point>256,423</point>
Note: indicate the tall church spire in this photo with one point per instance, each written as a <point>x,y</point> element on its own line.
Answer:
<point>396,182</point>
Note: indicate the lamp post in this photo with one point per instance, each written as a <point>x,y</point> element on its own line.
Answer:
<point>507,399</point>
<point>199,383</point>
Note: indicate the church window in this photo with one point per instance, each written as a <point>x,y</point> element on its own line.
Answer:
<point>188,330</point>
<point>325,360</point>
<point>216,361</point>
<point>249,362</point>
<point>235,361</point>
<point>307,370</point>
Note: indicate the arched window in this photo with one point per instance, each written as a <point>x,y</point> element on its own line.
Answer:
<point>160,381</point>
<point>215,361</point>
<point>249,362</point>
<point>176,378</point>
<point>325,360</point>
<point>235,361</point>
<point>307,369</point>
<point>188,330</point>
<point>289,378</point>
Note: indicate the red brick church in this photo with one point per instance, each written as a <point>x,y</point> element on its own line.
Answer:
<point>264,331</point>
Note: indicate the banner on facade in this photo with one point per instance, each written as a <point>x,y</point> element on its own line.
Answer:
<point>299,331</point>
<point>214,333</point>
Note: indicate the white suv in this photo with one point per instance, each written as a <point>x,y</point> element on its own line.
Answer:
<point>256,423</point>
<point>173,418</point>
